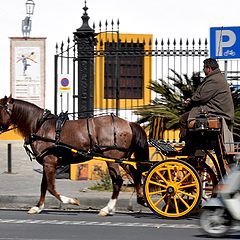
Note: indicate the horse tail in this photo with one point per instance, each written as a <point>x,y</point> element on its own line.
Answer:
<point>139,142</point>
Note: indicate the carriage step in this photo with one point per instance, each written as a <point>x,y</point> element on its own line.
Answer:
<point>164,147</point>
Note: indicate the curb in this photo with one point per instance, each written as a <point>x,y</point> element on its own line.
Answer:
<point>86,203</point>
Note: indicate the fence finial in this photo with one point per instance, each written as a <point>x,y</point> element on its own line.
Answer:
<point>85,26</point>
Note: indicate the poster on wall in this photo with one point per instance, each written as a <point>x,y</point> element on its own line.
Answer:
<point>28,69</point>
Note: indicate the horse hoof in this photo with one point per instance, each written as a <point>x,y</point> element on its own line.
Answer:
<point>34,210</point>
<point>106,212</point>
<point>76,202</point>
<point>102,213</point>
<point>68,200</point>
<point>141,201</point>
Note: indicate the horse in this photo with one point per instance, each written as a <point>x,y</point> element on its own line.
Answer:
<point>107,135</point>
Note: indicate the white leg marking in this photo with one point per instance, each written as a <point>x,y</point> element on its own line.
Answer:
<point>36,210</point>
<point>69,200</point>
<point>109,209</point>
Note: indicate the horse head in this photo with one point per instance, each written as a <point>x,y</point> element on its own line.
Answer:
<point>6,105</point>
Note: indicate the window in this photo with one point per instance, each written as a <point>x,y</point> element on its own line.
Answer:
<point>124,71</point>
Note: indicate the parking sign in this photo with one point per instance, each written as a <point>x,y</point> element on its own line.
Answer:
<point>225,42</point>
<point>64,82</point>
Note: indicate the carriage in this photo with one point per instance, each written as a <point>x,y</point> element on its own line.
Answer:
<point>173,187</point>
<point>213,154</point>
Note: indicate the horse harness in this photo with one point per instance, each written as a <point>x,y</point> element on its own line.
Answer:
<point>8,111</point>
<point>59,147</point>
<point>6,108</point>
<point>102,148</point>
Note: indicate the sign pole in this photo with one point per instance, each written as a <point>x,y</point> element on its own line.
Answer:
<point>225,69</point>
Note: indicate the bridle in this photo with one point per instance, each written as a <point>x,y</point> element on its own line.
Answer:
<point>6,108</point>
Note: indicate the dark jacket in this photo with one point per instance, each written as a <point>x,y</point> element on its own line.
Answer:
<point>214,97</point>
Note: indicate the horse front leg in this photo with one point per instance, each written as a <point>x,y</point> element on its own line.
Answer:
<point>40,205</point>
<point>117,182</point>
<point>50,166</point>
<point>48,183</point>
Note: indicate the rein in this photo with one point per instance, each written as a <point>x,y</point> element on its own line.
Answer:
<point>2,130</point>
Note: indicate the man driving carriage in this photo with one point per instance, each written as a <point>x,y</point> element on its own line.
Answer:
<point>213,97</point>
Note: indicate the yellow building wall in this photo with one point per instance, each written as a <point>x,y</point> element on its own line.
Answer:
<point>99,101</point>
<point>10,135</point>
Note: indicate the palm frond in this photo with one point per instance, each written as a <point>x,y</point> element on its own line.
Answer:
<point>170,94</point>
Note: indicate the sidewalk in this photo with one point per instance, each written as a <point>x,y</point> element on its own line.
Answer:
<point>20,189</point>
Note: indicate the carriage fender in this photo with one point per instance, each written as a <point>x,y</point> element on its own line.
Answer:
<point>213,202</point>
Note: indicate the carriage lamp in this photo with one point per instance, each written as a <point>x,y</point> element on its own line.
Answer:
<point>27,22</point>
<point>30,5</point>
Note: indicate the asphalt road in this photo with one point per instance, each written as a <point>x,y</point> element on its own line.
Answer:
<point>88,226</point>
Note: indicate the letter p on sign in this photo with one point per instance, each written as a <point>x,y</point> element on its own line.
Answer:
<point>225,42</point>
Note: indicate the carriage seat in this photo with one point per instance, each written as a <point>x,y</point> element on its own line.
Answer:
<point>205,123</point>
<point>164,147</point>
<point>213,124</point>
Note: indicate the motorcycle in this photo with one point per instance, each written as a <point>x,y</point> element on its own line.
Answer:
<point>222,211</point>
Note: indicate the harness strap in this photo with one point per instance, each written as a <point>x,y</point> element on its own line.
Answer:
<point>89,135</point>
<point>46,115</point>
<point>30,153</point>
<point>6,108</point>
<point>61,119</point>
<point>53,149</point>
<point>114,130</point>
<point>104,148</point>
<point>3,130</point>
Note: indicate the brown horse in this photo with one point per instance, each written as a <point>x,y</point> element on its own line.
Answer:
<point>107,135</point>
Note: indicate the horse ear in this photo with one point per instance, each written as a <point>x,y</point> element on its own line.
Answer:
<point>5,99</point>
<point>10,99</point>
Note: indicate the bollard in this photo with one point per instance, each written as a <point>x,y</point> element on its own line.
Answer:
<point>9,158</point>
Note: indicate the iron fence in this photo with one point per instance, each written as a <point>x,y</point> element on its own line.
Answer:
<point>110,72</point>
<point>121,69</point>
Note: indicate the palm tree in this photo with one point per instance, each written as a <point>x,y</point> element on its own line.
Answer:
<point>169,101</point>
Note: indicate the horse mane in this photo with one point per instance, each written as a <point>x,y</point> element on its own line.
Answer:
<point>25,116</point>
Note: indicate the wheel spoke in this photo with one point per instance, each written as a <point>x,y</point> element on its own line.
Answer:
<point>176,204</point>
<point>188,186</point>
<point>169,173</point>
<point>167,205</point>
<point>159,200</point>
<point>177,167</point>
<point>157,192</point>
<point>183,201</point>
<point>185,177</point>
<point>161,176</point>
<point>187,194</point>
<point>158,184</point>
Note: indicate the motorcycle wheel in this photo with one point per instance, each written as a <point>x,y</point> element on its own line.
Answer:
<point>215,222</point>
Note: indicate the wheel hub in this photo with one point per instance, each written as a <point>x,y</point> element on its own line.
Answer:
<point>171,190</point>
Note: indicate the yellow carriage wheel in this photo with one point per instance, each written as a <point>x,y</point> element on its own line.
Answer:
<point>172,188</point>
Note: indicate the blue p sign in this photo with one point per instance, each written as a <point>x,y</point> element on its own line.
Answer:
<point>225,42</point>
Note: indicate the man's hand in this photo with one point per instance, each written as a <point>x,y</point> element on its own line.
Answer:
<point>187,101</point>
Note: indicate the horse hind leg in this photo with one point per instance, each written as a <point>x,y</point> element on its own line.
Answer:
<point>117,182</point>
<point>136,175</point>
